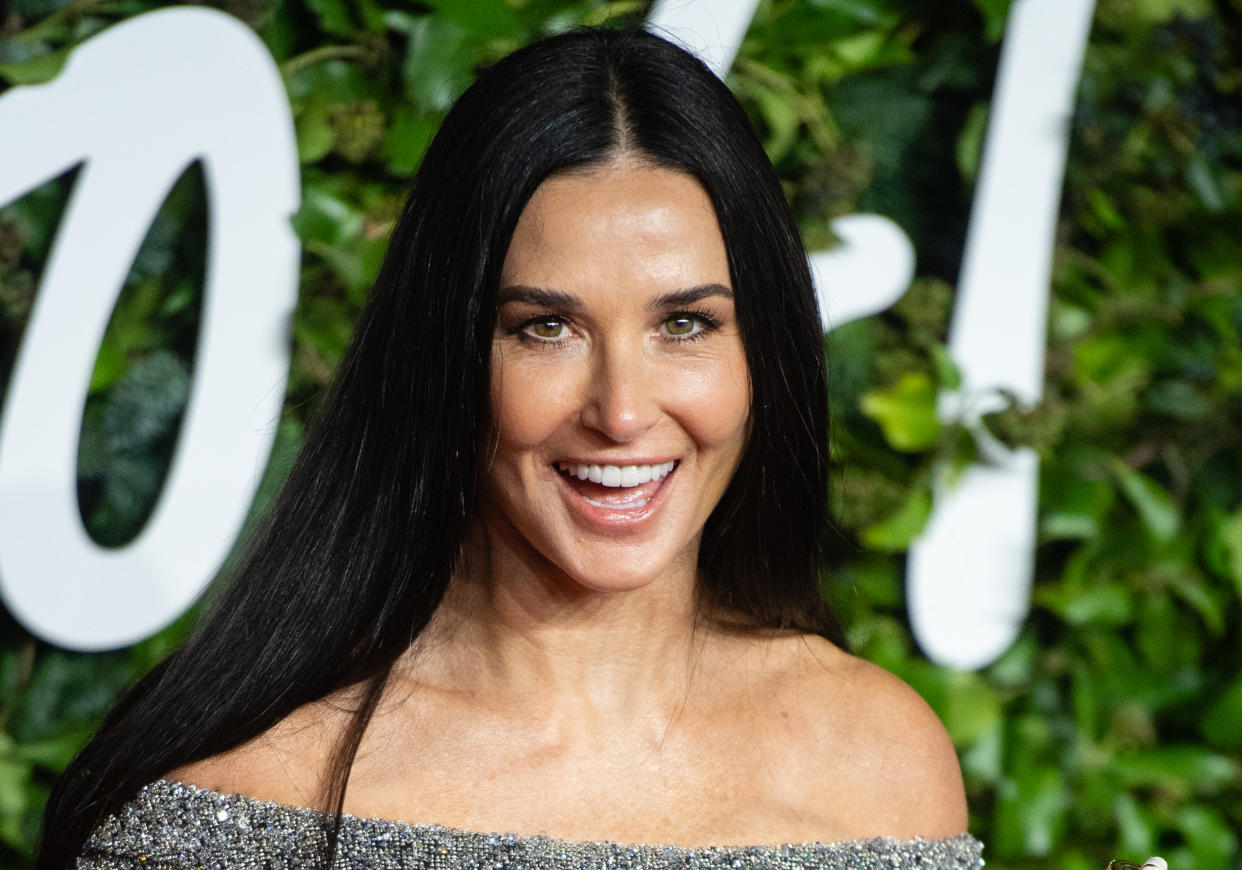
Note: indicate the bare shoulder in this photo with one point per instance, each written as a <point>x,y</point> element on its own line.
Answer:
<point>869,747</point>
<point>285,764</point>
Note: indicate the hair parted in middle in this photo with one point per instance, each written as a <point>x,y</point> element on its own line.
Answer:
<point>356,554</point>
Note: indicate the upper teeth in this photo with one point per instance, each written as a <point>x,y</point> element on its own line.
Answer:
<point>618,475</point>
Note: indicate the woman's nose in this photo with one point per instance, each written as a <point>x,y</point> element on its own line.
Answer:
<point>621,400</point>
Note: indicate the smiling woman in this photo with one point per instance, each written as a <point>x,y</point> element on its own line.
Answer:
<point>620,396</point>
<point>549,562</point>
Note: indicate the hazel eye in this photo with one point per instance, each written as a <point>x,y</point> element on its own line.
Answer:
<point>683,326</point>
<point>546,329</point>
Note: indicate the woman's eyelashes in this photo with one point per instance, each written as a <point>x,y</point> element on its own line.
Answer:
<point>677,327</point>
<point>689,325</point>
<point>544,329</point>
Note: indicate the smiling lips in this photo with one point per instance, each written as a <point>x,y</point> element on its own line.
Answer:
<point>615,487</point>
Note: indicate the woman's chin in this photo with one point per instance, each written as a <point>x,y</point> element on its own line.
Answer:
<point>608,576</point>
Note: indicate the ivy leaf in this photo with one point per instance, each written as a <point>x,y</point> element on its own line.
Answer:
<point>490,18</point>
<point>1135,826</point>
<point>1105,604</point>
<point>1222,726</point>
<point>969,151</point>
<point>146,403</point>
<point>14,783</point>
<point>972,708</point>
<point>1170,766</point>
<point>1210,838</point>
<point>1201,177</point>
<point>1154,505</point>
<point>333,16</point>
<point>905,412</point>
<point>860,50</point>
<point>1227,541</point>
<point>1072,505</point>
<point>53,753</point>
<point>407,138</point>
<point>1031,812</point>
<point>326,218</point>
<point>314,133</point>
<point>894,534</point>
<point>36,71</point>
<point>440,58</point>
<point>780,118</point>
<point>995,13</point>
<point>33,10</point>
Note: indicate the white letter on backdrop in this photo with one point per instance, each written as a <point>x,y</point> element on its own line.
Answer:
<point>138,104</point>
<point>867,272</point>
<point>970,572</point>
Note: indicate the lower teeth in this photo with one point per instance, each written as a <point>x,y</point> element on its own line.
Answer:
<point>628,506</point>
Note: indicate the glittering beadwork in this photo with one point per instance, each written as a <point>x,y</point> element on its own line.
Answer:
<point>170,825</point>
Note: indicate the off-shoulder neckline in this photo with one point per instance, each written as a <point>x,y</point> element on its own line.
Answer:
<point>175,788</point>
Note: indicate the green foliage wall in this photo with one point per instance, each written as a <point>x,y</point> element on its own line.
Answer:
<point>1114,725</point>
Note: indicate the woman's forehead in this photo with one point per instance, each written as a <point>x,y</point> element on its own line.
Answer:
<point>628,222</point>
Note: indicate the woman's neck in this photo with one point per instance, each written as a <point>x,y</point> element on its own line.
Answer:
<point>512,626</point>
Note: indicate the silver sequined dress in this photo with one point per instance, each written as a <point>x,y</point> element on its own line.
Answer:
<point>169,825</point>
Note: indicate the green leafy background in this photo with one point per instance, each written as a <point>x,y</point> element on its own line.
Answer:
<point>1114,725</point>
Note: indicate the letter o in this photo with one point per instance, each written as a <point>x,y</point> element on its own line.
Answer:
<point>138,104</point>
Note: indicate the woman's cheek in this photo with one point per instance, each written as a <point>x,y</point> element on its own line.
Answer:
<point>531,399</point>
<point>712,402</point>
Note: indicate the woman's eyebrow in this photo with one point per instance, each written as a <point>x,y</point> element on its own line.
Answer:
<point>689,296</point>
<point>539,296</point>
<point>559,299</point>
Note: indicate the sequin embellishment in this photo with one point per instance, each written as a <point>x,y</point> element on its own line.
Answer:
<point>172,825</point>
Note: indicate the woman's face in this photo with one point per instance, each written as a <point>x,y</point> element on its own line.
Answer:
<point>620,394</point>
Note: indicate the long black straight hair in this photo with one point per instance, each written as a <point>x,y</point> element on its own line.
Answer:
<point>357,552</point>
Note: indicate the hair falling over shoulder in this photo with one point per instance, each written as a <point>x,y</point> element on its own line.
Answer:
<point>355,556</point>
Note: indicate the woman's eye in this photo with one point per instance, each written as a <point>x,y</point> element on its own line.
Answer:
<point>548,329</point>
<point>682,326</point>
